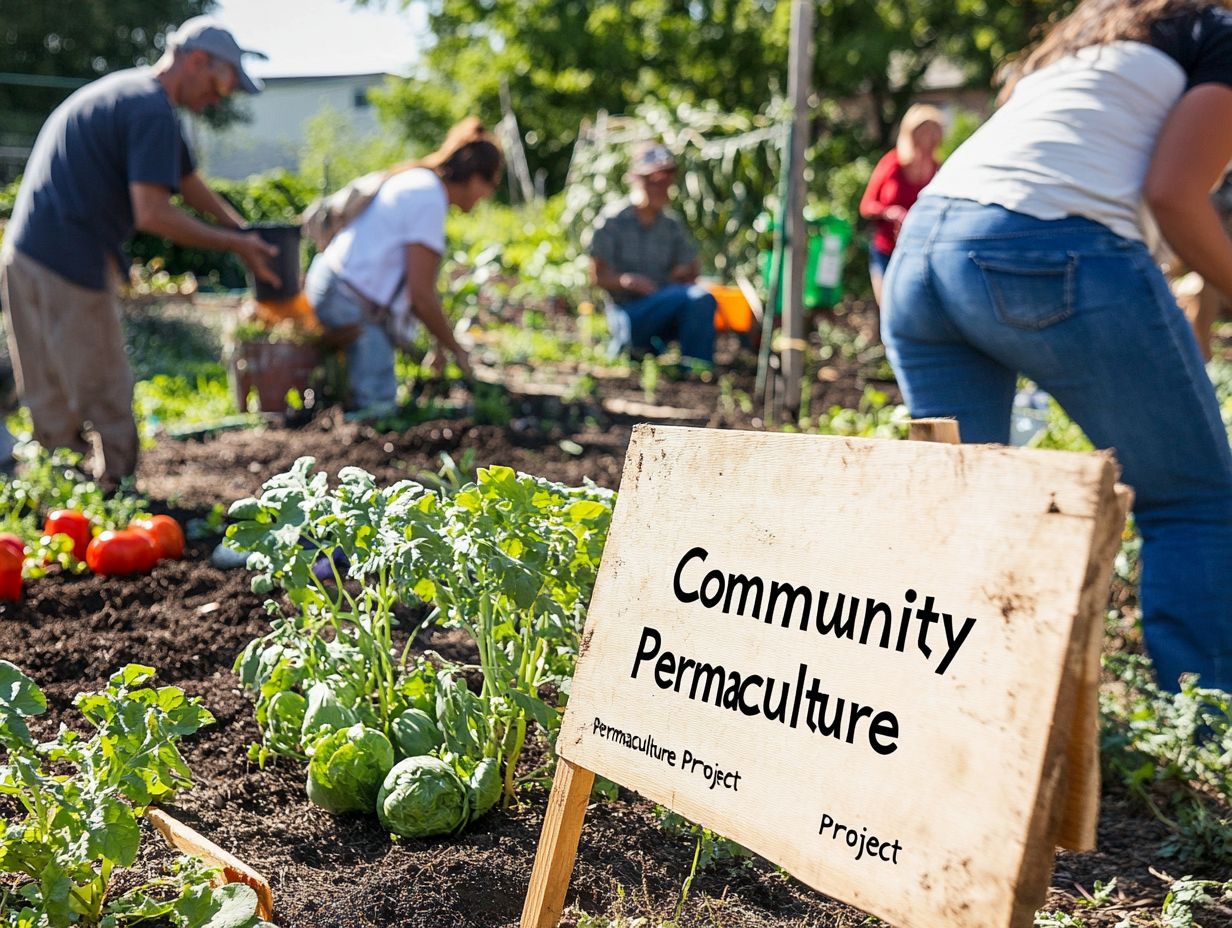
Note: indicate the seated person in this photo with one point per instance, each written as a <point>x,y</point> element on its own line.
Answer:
<point>644,258</point>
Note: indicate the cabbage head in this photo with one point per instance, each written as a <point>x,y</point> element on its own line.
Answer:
<point>414,733</point>
<point>422,796</point>
<point>347,769</point>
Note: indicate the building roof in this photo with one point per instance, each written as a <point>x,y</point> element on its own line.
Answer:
<point>324,78</point>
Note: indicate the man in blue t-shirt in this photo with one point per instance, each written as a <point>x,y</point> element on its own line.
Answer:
<point>106,162</point>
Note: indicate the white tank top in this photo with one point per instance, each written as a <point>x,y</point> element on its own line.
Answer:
<point>1074,139</point>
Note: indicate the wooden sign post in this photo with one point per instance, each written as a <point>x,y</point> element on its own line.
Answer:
<point>869,662</point>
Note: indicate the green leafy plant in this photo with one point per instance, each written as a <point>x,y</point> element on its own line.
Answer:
<point>509,558</point>
<point>308,539</point>
<point>80,800</point>
<point>874,417</point>
<point>513,563</point>
<point>711,846</point>
<point>1171,751</point>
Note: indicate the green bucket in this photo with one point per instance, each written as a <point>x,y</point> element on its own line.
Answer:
<point>829,239</point>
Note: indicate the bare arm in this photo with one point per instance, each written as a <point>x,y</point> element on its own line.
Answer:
<point>422,267</point>
<point>1191,155</point>
<point>154,213</point>
<point>198,194</point>
<point>605,276</point>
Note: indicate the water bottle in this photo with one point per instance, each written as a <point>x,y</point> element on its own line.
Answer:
<point>830,265</point>
<point>1029,415</point>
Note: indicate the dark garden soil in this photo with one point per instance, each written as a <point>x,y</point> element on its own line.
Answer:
<point>190,620</point>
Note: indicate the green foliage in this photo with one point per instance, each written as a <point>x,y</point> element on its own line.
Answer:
<point>874,417</point>
<point>1170,750</point>
<point>8,196</point>
<point>711,847</point>
<point>509,558</point>
<point>502,257</point>
<point>563,63</point>
<point>1187,893</point>
<point>729,168</point>
<point>423,796</point>
<point>513,564</point>
<point>67,46</point>
<point>331,156</point>
<point>415,733</point>
<point>1060,432</point>
<point>962,127</point>
<point>79,800</point>
<point>279,197</point>
<point>46,481</point>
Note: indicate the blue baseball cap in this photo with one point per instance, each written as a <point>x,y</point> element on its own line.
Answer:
<point>207,34</point>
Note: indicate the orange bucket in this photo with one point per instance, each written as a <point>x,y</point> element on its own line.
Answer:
<point>297,308</point>
<point>733,313</point>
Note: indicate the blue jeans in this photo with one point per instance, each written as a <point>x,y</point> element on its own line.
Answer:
<point>678,312</point>
<point>370,358</point>
<point>976,294</point>
<point>878,260</point>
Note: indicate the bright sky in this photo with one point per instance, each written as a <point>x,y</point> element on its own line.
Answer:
<point>326,36</point>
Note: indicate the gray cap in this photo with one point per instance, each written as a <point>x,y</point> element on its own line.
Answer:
<point>211,36</point>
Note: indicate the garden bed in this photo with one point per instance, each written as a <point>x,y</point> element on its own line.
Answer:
<point>190,620</point>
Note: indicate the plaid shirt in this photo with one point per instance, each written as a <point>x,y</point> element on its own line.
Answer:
<point>626,246</point>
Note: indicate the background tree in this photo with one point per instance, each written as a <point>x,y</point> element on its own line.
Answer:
<point>562,60</point>
<point>50,47</point>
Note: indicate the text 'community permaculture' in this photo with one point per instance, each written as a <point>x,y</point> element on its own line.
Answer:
<point>916,626</point>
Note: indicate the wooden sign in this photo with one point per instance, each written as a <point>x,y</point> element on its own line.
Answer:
<point>871,662</point>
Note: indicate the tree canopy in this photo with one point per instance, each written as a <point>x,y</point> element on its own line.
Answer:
<point>49,47</point>
<point>563,60</point>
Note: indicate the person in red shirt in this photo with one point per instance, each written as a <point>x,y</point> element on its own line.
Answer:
<point>897,180</point>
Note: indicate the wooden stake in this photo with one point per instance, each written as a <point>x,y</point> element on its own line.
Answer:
<point>940,430</point>
<point>234,870</point>
<point>558,843</point>
<point>800,69</point>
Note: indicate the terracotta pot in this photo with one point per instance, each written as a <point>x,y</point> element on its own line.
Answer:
<point>273,369</point>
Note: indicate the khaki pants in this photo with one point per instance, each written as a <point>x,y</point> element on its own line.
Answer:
<point>68,357</point>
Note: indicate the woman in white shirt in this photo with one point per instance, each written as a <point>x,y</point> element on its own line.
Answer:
<point>378,275</point>
<point>1026,255</point>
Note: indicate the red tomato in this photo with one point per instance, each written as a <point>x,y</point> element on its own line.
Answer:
<point>73,524</point>
<point>13,541</point>
<point>166,534</point>
<point>117,554</point>
<point>10,573</point>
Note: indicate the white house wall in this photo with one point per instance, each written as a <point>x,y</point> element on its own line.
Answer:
<point>274,136</point>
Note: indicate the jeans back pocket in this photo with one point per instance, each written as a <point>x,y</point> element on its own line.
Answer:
<point>1029,290</point>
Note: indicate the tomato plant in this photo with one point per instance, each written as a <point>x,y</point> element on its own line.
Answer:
<point>121,553</point>
<point>166,533</point>
<point>73,524</point>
